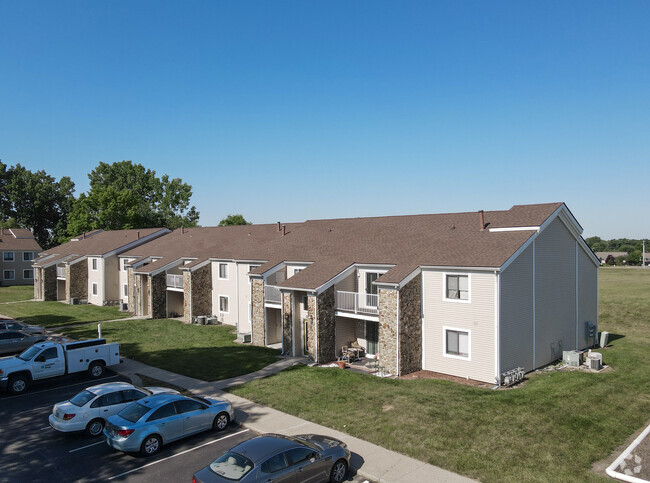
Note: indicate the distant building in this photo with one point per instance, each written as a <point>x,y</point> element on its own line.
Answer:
<point>19,248</point>
<point>603,255</point>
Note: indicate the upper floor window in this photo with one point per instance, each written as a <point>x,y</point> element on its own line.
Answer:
<point>223,271</point>
<point>457,287</point>
<point>8,256</point>
<point>28,256</point>
<point>94,263</point>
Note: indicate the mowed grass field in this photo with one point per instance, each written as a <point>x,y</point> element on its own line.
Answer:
<point>56,314</point>
<point>16,293</point>
<point>205,352</point>
<point>553,428</point>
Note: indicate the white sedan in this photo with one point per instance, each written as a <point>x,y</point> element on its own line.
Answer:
<point>88,410</point>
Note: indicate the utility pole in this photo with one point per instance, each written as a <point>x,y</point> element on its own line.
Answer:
<point>643,256</point>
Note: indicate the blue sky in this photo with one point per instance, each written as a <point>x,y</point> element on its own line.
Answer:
<point>294,110</point>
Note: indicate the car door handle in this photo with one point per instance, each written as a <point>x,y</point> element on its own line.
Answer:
<point>105,410</point>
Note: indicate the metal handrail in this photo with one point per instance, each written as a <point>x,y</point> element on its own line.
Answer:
<point>272,294</point>
<point>174,281</point>
<point>358,303</point>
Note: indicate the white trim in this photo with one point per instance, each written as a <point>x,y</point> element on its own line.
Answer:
<point>397,325</point>
<point>577,295</point>
<point>195,266</point>
<point>225,264</point>
<point>611,469</point>
<point>350,315</point>
<point>515,228</point>
<point>461,268</point>
<point>408,278</point>
<point>219,304</point>
<point>534,293</point>
<point>94,264</point>
<point>13,274</point>
<point>469,287</point>
<point>334,280</point>
<point>444,343</point>
<point>125,286</point>
<point>163,268</point>
<point>497,325</point>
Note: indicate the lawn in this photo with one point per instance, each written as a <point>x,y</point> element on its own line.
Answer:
<point>16,293</point>
<point>204,352</point>
<point>553,428</point>
<point>54,314</point>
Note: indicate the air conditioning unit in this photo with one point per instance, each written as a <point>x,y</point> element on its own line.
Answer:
<point>124,307</point>
<point>595,361</point>
<point>604,338</point>
<point>572,358</point>
<point>74,301</point>
<point>213,321</point>
<point>201,319</point>
<point>245,338</point>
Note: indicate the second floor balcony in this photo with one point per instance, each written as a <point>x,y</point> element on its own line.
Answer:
<point>272,294</point>
<point>357,303</point>
<point>174,281</point>
<point>60,272</point>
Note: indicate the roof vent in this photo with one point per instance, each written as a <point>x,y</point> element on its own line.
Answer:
<point>284,230</point>
<point>279,226</point>
<point>481,217</point>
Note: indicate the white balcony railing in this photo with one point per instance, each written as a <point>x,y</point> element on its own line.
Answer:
<point>272,294</point>
<point>358,303</point>
<point>174,281</point>
<point>60,272</point>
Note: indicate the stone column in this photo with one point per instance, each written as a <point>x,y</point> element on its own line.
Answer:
<point>159,296</point>
<point>130,280</point>
<point>410,327</point>
<point>325,326</point>
<point>311,327</point>
<point>258,325</point>
<point>201,298</point>
<point>187,296</point>
<point>38,289</point>
<point>388,300</point>
<point>287,322</point>
<point>76,283</point>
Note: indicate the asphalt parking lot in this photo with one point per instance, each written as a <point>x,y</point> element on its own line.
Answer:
<point>32,451</point>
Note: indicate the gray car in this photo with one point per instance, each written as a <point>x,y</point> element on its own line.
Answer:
<point>149,423</point>
<point>14,341</point>
<point>278,458</point>
<point>10,324</point>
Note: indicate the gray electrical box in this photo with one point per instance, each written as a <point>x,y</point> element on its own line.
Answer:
<point>604,338</point>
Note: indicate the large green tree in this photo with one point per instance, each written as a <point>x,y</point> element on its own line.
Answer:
<point>232,220</point>
<point>126,195</point>
<point>37,201</point>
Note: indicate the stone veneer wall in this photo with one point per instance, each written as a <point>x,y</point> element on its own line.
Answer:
<point>76,283</point>
<point>159,296</point>
<point>326,324</point>
<point>130,280</point>
<point>38,287</point>
<point>187,296</point>
<point>388,300</point>
<point>311,327</point>
<point>410,327</point>
<point>202,290</point>
<point>287,322</point>
<point>258,325</point>
<point>49,283</point>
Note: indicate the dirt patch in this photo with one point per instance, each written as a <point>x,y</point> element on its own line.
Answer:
<point>444,377</point>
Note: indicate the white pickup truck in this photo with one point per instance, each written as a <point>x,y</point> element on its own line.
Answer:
<point>51,359</point>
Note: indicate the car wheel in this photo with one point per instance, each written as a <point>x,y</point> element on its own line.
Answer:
<point>339,470</point>
<point>151,445</point>
<point>95,427</point>
<point>96,369</point>
<point>221,422</point>
<point>18,384</point>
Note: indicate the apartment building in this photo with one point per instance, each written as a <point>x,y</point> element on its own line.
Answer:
<point>19,248</point>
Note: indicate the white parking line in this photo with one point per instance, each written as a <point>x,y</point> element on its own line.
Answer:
<point>43,429</point>
<point>177,454</point>
<point>95,381</point>
<point>87,446</point>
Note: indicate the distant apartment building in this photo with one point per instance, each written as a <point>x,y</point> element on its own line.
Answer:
<point>19,248</point>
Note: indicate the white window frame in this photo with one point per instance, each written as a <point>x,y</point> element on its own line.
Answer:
<point>13,274</point>
<point>226,270</point>
<point>227,303</point>
<point>7,260</point>
<point>469,343</point>
<point>125,291</point>
<point>95,289</point>
<point>31,256</point>
<point>469,287</point>
<point>28,270</point>
<point>94,265</point>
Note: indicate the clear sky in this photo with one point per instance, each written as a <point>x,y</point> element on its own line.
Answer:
<point>294,110</point>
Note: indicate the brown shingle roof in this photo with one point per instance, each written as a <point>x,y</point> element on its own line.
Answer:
<point>18,239</point>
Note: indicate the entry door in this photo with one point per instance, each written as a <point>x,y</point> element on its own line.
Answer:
<point>372,336</point>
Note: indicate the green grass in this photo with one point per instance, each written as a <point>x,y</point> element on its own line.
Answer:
<point>204,352</point>
<point>551,429</point>
<point>16,293</point>
<point>54,314</point>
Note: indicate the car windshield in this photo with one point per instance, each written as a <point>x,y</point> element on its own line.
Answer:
<point>82,398</point>
<point>133,412</point>
<point>231,466</point>
<point>27,354</point>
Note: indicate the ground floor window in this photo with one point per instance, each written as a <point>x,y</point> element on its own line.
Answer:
<point>372,337</point>
<point>126,290</point>
<point>223,303</point>
<point>457,343</point>
<point>28,274</point>
<point>8,275</point>
<point>94,289</point>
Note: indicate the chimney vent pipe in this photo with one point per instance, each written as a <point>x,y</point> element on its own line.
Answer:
<point>284,230</point>
<point>279,226</point>
<point>481,216</point>
<point>138,235</point>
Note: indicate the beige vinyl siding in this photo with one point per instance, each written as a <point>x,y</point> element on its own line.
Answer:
<point>226,288</point>
<point>111,278</point>
<point>277,277</point>
<point>291,269</point>
<point>95,276</point>
<point>477,317</point>
<point>348,284</point>
<point>587,296</point>
<point>346,332</point>
<point>516,313</point>
<point>243,314</point>
<point>555,293</point>
<point>299,314</point>
<point>123,280</point>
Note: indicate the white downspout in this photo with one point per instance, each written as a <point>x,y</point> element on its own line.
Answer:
<point>397,322</point>
<point>497,328</point>
<point>236,293</point>
<point>534,295</point>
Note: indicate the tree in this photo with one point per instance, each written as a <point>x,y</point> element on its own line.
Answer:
<point>36,201</point>
<point>634,258</point>
<point>232,220</point>
<point>610,260</point>
<point>125,195</point>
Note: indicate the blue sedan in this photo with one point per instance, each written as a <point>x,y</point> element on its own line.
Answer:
<point>149,423</point>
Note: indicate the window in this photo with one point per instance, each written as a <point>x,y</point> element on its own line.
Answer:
<point>94,262</point>
<point>456,343</point>
<point>223,303</point>
<point>28,274</point>
<point>187,406</point>
<point>94,289</point>
<point>297,270</point>
<point>163,412</point>
<point>126,290</point>
<point>372,300</point>
<point>8,275</point>
<point>8,256</point>
<point>275,463</point>
<point>223,271</point>
<point>298,455</point>
<point>108,399</point>
<point>11,335</point>
<point>132,395</point>
<point>124,262</point>
<point>28,256</point>
<point>48,354</point>
<point>305,303</point>
<point>457,287</point>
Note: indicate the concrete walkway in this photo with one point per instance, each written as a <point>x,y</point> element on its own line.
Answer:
<point>368,460</point>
